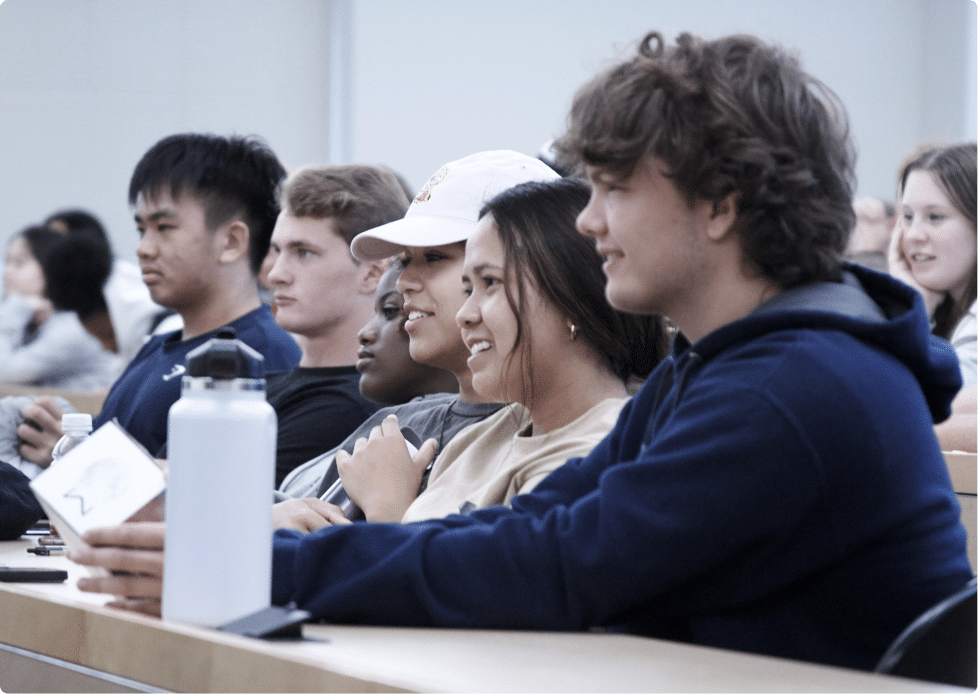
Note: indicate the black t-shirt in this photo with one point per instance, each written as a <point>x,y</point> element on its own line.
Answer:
<point>19,509</point>
<point>317,409</point>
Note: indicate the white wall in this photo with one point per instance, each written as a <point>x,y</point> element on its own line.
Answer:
<point>438,79</point>
<point>86,86</point>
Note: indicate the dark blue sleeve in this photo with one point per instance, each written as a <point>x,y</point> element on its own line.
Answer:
<point>714,515</point>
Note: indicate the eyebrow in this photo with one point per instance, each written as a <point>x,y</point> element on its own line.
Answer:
<point>165,213</point>
<point>302,243</point>
<point>482,267</point>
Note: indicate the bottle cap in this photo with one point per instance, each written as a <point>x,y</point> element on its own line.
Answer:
<point>225,358</point>
<point>76,420</point>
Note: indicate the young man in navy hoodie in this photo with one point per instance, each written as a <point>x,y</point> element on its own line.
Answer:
<point>776,486</point>
<point>205,207</point>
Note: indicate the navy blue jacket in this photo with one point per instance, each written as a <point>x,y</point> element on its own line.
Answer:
<point>776,488</point>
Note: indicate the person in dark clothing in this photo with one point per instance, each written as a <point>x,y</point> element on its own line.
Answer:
<point>19,509</point>
<point>204,207</point>
<point>324,296</point>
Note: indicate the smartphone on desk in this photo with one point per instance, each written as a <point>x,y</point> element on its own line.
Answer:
<point>32,574</point>
<point>337,495</point>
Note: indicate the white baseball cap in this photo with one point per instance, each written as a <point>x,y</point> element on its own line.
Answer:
<point>447,208</point>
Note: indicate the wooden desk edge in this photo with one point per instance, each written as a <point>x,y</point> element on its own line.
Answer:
<point>106,640</point>
<point>963,468</point>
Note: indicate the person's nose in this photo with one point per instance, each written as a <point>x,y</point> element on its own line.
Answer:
<point>368,333</point>
<point>468,315</point>
<point>408,282</point>
<point>278,274</point>
<point>147,247</point>
<point>914,230</point>
<point>590,220</point>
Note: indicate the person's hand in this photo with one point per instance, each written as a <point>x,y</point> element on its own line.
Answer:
<point>306,515</point>
<point>873,228</point>
<point>133,552</point>
<point>154,511</point>
<point>380,476</point>
<point>899,267</point>
<point>38,441</point>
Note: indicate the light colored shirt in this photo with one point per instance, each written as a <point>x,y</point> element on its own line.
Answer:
<point>58,354</point>
<point>490,462</point>
<point>964,339</point>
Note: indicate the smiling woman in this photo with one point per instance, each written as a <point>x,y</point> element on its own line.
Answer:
<point>539,334</point>
<point>934,245</point>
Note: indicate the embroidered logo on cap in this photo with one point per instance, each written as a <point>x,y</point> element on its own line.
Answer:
<point>425,193</point>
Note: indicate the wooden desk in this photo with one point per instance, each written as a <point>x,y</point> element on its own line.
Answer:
<point>83,401</point>
<point>964,477</point>
<point>57,621</point>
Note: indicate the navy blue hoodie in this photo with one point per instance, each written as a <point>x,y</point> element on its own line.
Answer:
<point>776,488</point>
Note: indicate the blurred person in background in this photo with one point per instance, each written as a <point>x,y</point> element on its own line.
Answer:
<point>41,345</point>
<point>108,294</point>
<point>934,246</point>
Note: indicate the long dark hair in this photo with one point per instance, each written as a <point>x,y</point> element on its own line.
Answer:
<point>956,169</point>
<point>536,225</point>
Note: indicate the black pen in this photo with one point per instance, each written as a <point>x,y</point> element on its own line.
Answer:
<point>47,551</point>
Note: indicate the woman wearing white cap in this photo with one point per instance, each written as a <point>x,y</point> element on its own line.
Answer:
<point>430,240</point>
<point>540,334</point>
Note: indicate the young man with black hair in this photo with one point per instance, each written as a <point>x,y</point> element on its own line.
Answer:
<point>776,486</point>
<point>205,207</point>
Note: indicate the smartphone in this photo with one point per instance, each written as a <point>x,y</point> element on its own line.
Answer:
<point>32,574</point>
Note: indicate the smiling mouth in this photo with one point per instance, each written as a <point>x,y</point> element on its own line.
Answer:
<point>480,347</point>
<point>921,257</point>
<point>607,256</point>
<point>413,317</point>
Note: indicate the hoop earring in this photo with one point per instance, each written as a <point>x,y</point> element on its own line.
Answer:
<point>573,331</point>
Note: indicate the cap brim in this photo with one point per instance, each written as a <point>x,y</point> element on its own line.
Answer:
<point>409,232</point>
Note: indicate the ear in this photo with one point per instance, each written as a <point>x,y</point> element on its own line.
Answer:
<point>233,240</point>
<point>370,273</point>
<point>722,217</point>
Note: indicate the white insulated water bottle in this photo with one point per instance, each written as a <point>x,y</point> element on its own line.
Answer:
<point>217,562</point>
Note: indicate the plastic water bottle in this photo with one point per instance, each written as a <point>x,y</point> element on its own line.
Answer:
<point>76,427</point>
<point>217,563</point>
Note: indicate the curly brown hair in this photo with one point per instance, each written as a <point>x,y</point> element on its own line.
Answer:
<point>730,116</point>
